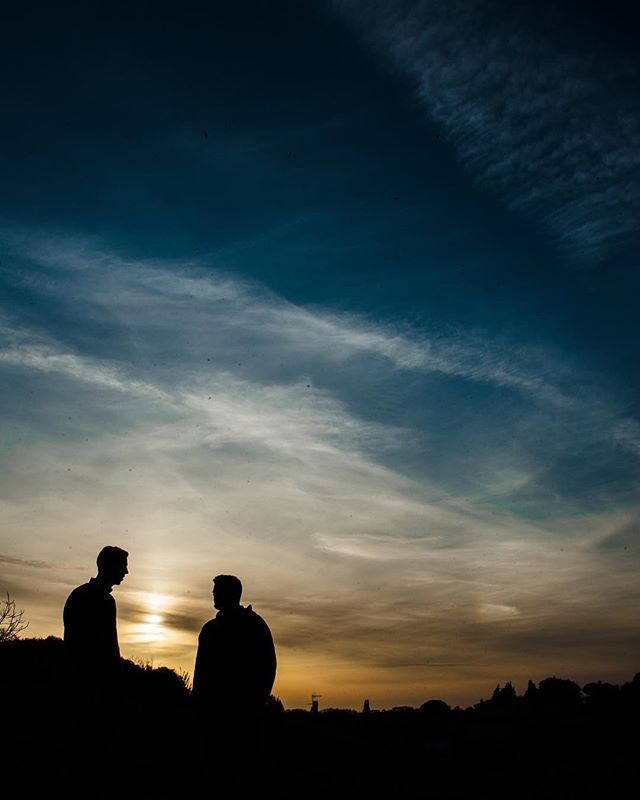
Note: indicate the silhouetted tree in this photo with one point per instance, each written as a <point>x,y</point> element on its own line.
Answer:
<point>601,696</point>
<point>532,693</point>
<point>11,622</point>
<point>505,697</point>
<point>435,709</point>
<point>274,705</point>
<point>566,745</point>
<point>630,692</point>
<point>560,692</point>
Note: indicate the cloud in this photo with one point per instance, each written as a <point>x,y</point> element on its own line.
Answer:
<point>537,111</point>
<point>206,425</point>
<point>624,541</point>
<point>197,304</point>
<point>26,351</point>
<point>198,342</point>
<point>25,562</point>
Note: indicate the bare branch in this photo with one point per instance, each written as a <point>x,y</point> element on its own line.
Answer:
<point>11,622</point>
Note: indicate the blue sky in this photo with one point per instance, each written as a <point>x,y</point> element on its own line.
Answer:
<point>340,297</point>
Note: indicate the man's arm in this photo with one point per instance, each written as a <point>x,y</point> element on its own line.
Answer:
<point>267,658</point>
<point>201,670</point>
<point>74,617</point>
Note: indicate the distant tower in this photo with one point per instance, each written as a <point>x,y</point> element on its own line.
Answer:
<point>366,708</point>
<point>314,703</point>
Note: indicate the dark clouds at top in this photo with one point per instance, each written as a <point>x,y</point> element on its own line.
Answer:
<point>267,140</point>
<point>269,135</point>
<point>539,99</point>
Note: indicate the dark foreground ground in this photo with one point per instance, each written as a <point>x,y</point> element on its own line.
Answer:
<point>555,742</point>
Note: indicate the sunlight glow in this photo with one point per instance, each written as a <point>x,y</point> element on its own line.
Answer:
<point>156,601</point>
<point>152,628</point>
<point>150,632</point>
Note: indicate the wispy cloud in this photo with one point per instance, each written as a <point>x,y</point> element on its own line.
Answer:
<point>25,349</point>
<point>216,314</point>
<point>25,562</point>
<point>208,425</point>
<point>537,112</point>
<point>177,325</point>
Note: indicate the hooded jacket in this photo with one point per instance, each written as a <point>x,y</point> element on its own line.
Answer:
<point>236,661</point>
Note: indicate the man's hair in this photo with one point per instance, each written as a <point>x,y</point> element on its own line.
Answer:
<point>109,556</point>
<point>229,585</point>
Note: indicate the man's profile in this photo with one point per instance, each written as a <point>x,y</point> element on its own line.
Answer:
<point>236,660</point>
<point>90,632</point>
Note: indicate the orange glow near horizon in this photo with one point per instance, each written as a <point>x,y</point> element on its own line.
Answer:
<point>146,628</point>
<point>342,682</point>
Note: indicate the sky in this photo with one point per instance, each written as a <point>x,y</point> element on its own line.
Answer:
<point>339,297</point>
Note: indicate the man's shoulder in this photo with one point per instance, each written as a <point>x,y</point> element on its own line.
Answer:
<point>209,627</point>
<point>89,592</point>
<point>80,592</point>
<point>255,619</point>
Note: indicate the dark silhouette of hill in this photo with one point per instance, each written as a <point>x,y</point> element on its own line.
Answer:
<point>47,716</point>
<point>556,739</point>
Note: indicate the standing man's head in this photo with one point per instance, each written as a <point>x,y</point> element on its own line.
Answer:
<point>227,591</point>
<point>112,565</point>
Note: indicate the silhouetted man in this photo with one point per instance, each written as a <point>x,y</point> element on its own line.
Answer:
<point>234,673</point>
<point>236,660</point>
<point>90,633</point>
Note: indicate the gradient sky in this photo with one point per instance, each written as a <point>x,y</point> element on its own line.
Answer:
<point>340,298</point>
